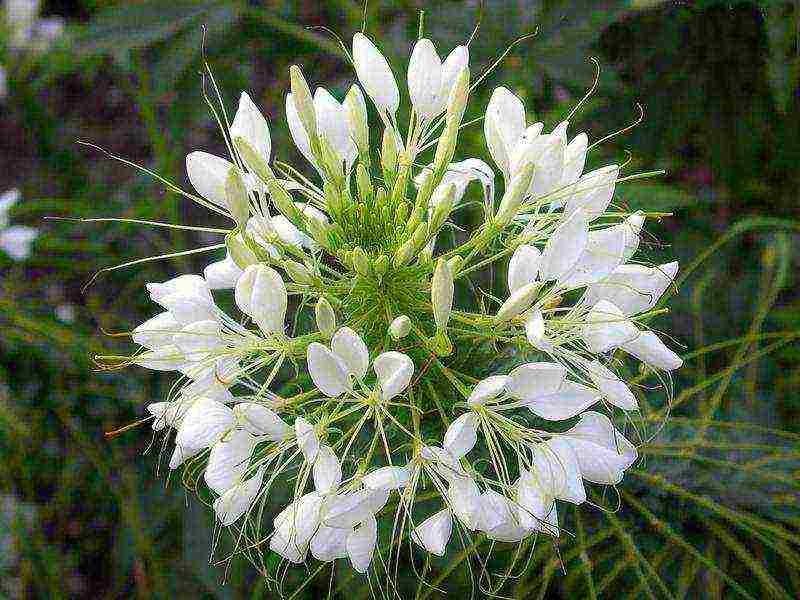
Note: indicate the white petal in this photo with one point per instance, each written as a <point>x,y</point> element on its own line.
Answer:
<point>612,387</point>
<point>394,371</point>
<point>603,253</point>
<point>425,78</point>
<point>186,285</point>
<point>464,498</point>
<point>535,331</point>
<point>633,227</point>
<point>557,471</point>
<point>289,234</point>
<point>549,168</point>
<point>451,68</point>
<point>329,543</point>
<point>523,267</point>
<point>197,339</point>
<point>203,424</point>
<point>374,74</point>
<point>361,544</point>
<point>564,247</point>
<point>434,532</point>
<point>607,328</point>
<point>390,478</point>
<point>574,159</point>
<point>223,274</point>
<point>156,332</point>
<point>327,370</point>
<point>534,380</point>
<point>307,439</point>
<point>649,349</point>
<point>349,346</point>
<point>228,460</point>
<point>297,131</point>
<point>461,435</point>
<point>444,463</point>
<point>327,471</point>
<point>500,521</point>
<point>488,389</point>
<point>503,126</point>
<point>345,510</point>
<point>593,192</point>
<point>603,452</point>
<point>251,125</point>
<point>260,421</point>
<point>534,502</point>
<point>167,414</point>
<point>164,358</point>
<point>295,526</point>
<point>208,174</point>
<point>237,501</point>
<point>570,400</point>
<point>332,125</point>
<point>633,289</point>
<point>261,294</point>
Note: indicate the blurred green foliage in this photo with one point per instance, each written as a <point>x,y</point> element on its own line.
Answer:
<point>711,511</point>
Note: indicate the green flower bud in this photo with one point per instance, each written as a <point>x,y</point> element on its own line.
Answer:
<point>239,251</point>
<point>443,208</point>
<point>382,265</point>
<point>363,182</point>
<point>518,302</point>
<point>253,159</point>
<point>361,262</point>
<point>236,196</point>
<point>326,318</point>
<point>389,153</point>
<point>401,214</point>
<point>320,232</point>
<point>420,236</point>
<point>514,195</point>
<point>297,272</point>
<point>455,264</point>
<point>404,254</point>
<point>442,289</point>
<point>457,101</point>
<point>356,111</point>
<point>303,101</point>
<point>283,201</point>
<point>400,327</point>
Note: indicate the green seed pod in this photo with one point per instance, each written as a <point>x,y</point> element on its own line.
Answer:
<point>442,290</point>
<point>297,272</point>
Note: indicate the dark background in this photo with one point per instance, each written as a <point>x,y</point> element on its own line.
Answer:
<point>711,511</point>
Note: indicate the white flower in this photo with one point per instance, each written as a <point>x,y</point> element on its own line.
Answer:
<point>223,274</point>
<point>434,532</point>
<point>375,75</point>
<point>250,125</point>
<point>16,241</point>
<point>332,369</point>
<point>261,294</point>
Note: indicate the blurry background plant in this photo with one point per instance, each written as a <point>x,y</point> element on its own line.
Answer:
<point>713,509</point>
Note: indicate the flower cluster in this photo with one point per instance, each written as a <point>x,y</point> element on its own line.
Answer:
<point>15,240</point>
<point>403,393</point>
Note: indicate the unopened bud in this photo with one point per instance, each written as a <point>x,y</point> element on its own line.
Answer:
<point>236,197</point>
<point>254,161</point>
<point>319,231</point>
<point>360,261</point>
<point>420,236</point>
<point>283,200</point>
<point>297,272</point>
<point>459,93</point>
<point>240,253</point>
<point>400,327</point>
<point>326,318</point>
<point>389,152</point>
<point>401,214</point>
<point>518,302</point>
<point>404,254</point>
<point>381,265</point>
<point>455,264</point>
<point>446,147</point>
<point>356,110</point>
<point>443,208</point>
<point>514,195</point>
<point>363,182</point>
<point>442,289</point>
<point>303,101</point>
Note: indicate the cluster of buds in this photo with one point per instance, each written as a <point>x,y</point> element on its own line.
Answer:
<point>401,397</point>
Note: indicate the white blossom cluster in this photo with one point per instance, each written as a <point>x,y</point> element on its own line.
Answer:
<point>577,297</point>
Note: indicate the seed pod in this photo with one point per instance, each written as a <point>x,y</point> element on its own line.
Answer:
<point>240,253</point>
<point>326,318</point>
<point>400,327</point>
<point>442,289</point>
<point>361,262</point>
<point>297,272</point>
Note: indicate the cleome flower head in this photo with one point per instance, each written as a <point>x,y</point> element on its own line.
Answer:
<point>354,382</point>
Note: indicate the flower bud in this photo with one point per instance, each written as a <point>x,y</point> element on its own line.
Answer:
<point>389,152</point>
<point>283,200</point>
<point>363,182</point>
<point>514,195</point>
<point>455,264</point>
<point>240,253</point>
<point>443,208</point>
<point>253,159</point>
<point>404,254</point>
<point>381,265</point>
<point>457,101</point>
<point>360,261</point>
<point>442,289</point>
<point>326,318</point>
<point>319,231</point>
<point>297,272</point>
<point>400,327</point>
<point>303,101</point>
<point>356,110</point>
<point>236,197</point>
<point>420,236</point>
<point>518,302</point>
<point>401,214</point>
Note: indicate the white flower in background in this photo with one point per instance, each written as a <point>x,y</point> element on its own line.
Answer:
<point>3,83</point>
<point>355,368</point>
<point>15,240</point>
<point>26,30</point>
